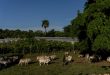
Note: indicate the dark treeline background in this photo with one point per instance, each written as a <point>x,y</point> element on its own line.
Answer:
<point>31,45</point>
<point>92,27</point>
<point>29,34</point>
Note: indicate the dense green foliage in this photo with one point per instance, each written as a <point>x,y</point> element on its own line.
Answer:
<point>19,34</point>
<point>34,46</point>
<point>29,34</point>
<point>93,26</point>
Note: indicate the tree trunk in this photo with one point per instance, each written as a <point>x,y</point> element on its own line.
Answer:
<point>45,32</point>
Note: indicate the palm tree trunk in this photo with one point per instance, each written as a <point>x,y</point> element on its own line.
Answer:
<point>45,31</point>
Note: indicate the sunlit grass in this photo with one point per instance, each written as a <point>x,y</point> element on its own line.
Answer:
<point>57,68</point>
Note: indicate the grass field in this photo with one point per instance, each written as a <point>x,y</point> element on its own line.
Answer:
<point>80,66</point>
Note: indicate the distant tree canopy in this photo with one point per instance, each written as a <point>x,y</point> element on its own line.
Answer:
<point>30,45</point>
<point>29,34</point>
<point>92,26</point>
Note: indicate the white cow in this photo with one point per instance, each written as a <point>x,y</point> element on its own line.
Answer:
<point>43,60</point>
<point>4,62</point>
<point>68,58</point>
<point>24,61</point>
<point>108,59</point>
<point>87,56</point>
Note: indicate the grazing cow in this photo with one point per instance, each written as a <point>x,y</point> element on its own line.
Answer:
<point>43,60</point>
<point>87,56</point>
<point>67,59</point>
<point>24,61</point>
<point>94,58</point>
<point>4,62</point>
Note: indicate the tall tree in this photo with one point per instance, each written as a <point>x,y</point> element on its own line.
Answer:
<point>92,26</point>
<point>45,24</point>
<point>68,31</point>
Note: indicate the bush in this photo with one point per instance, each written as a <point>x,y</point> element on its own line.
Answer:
<point>33,46</point>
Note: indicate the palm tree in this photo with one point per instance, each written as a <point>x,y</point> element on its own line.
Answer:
<point>45,24</point>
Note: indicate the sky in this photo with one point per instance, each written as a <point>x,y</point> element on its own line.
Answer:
<point>28,14</point>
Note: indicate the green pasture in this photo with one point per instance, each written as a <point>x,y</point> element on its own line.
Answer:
<point>80,66</point>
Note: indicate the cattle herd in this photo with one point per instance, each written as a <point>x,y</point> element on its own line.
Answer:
<point>45,60</point>
<point>7,61</point>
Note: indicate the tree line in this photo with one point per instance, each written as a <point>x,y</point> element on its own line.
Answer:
<point>92,27</point>
<point>31,45</point>
<point>29,34</point>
